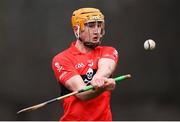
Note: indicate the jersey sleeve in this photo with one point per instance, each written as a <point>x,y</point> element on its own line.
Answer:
<point>63,69</point>
<point>110,52</point>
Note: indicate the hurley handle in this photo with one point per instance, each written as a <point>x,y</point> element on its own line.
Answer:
<point>117,79</point>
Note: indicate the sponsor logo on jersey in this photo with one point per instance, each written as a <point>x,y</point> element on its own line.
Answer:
<point>58,66</point>
<point>79,65</point>
<point>89,75</point>
<point>90,63</point>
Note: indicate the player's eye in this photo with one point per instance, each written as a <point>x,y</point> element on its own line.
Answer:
<point>93,24</point>
<point>100,24</point>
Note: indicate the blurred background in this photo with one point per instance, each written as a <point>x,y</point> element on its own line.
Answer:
<point>32,32</point>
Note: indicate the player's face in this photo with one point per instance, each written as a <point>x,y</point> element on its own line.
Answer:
<point>93,32</point>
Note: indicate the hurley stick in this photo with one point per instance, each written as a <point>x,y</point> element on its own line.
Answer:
<point>117,79</point>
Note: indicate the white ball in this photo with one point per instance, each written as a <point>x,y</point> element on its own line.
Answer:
<point>149,44</point>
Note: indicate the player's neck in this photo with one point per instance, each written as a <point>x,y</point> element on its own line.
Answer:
<point>82,48</point>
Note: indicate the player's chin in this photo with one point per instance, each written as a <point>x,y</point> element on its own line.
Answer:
<point>96,41</point>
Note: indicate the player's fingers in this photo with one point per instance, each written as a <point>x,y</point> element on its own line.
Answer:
<point>110,82</point>
<point>98,83</point>
<point>95,84</point>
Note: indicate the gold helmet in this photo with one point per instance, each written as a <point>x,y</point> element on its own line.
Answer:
<point>85,15</point>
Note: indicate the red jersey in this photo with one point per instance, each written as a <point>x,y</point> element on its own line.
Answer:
<point>73,62</point>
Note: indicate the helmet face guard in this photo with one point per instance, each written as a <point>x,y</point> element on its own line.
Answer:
<point>83,16</point>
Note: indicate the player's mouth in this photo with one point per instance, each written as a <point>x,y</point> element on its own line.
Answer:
<point>96,38</point>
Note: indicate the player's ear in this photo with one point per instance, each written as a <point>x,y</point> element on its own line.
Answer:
<point>76,30</point>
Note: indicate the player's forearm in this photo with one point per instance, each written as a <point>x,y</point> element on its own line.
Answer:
<point>90,94</point>
<point>105,68</point>
<point>104,72</point>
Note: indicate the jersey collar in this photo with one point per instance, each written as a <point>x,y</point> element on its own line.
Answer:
<point>74,49</point>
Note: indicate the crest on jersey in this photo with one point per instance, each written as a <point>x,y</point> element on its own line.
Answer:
<point>89,75</point>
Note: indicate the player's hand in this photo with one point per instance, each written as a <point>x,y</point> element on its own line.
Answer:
<point>98,82</point>
<point>110,84</point>
<point>103,83</point>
